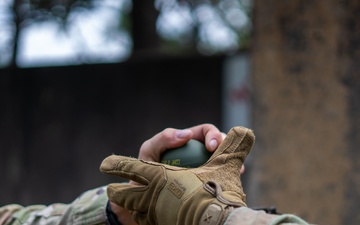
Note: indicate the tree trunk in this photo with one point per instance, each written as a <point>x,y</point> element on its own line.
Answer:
<point>306,101</point>
<point>144,34</point>
<point>17,29</point>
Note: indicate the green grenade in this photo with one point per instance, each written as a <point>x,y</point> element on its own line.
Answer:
<point>192,154</point>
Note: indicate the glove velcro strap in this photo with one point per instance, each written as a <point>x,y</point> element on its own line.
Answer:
<point>215,214</point>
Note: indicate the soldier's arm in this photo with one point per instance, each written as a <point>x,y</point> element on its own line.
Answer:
<point>247,216</point>
<point>88,208</point>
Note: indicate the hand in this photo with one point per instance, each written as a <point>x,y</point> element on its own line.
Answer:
<point>169,194</point>
<point>171,138</point>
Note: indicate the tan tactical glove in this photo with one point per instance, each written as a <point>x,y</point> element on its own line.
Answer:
<point>173,195</point>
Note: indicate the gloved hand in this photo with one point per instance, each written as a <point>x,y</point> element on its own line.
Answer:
<point>173,195</point>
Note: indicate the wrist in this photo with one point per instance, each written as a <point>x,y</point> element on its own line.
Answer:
<point>123,215</point>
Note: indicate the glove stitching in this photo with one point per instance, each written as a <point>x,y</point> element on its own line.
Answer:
<point>156,196</point>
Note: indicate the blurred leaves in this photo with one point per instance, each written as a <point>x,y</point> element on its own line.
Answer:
<point>209,26</point>
<point>67,16</point>
<point>24,13</point>
<point>205,26</point>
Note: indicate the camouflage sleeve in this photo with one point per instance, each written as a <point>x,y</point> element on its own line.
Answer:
<point>247,216</point>
<point>88,208</point>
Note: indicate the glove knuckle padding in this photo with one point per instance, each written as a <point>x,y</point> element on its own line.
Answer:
<point>173,195</point>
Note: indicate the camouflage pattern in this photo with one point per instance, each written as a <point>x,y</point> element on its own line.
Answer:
<point>247,216</point>
<point>88,208</point>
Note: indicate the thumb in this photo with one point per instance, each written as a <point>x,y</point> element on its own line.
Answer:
<point>225,163</point>
<point>238,141</point>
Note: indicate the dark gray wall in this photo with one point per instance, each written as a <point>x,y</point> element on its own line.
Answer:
<point>58,123</point>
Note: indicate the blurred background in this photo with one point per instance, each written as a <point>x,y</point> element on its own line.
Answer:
<point>83,79</point>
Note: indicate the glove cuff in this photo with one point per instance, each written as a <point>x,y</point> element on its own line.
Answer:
<point>111,216</point>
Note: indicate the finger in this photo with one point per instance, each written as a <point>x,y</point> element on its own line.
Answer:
<point>129,168</point>
<point>169,138</point>
<point>223,135</point>
<point>130,197</point>
<point>242,170</point>
<point>208,134</point>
